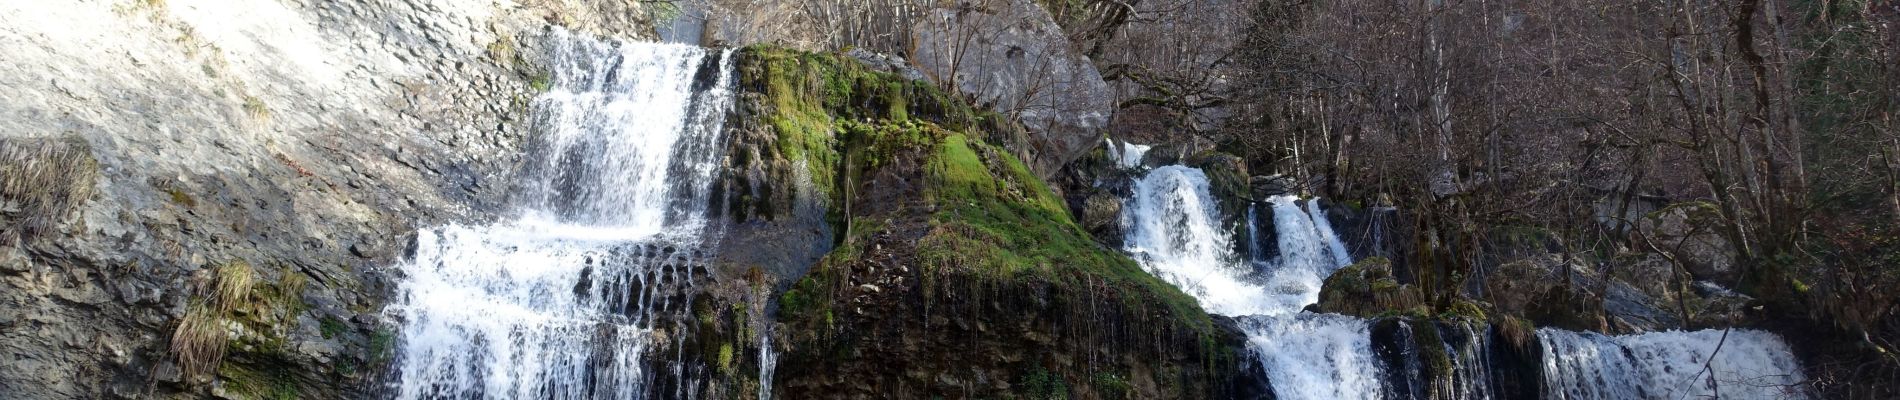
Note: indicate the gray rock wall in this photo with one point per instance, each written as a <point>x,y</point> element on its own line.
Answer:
<point>302,139</point>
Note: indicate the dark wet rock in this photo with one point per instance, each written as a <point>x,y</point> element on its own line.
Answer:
<point>886,63</point>
<point>1101,214</point>
<point>1268,186</point>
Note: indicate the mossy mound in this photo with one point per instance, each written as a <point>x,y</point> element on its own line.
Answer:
<point>1367,289</point>
<point>957,272</point>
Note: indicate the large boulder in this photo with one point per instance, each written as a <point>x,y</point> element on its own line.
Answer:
<point>1690,232</point>
<point>1011,56</point>
<point>1368,289</point>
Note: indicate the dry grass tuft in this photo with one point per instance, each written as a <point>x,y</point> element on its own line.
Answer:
<point>42,180</point>
<point>199,341</point>
<point>256,108</point>
<point>235,280</point>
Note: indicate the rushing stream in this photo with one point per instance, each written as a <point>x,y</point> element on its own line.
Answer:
<point>1173,227</point>
<point>562,301</point>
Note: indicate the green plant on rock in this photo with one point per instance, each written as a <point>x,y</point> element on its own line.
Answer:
<point>541,82</point>
<point>271,381</point>
<point>1112,386</point>
<point>256,108</point>
<point>1040,384</point>
<point>725,358</point>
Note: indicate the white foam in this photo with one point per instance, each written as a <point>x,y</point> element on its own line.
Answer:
<point>562,302</point>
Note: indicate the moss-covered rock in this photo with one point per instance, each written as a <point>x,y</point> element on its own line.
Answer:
<point>1367,289</point>
<point>957,271</point>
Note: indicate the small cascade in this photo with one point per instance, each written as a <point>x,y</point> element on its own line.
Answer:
<point>1173,228</point>
<point>1315,356</point>
<point>563,302</point>
<point>1448,360</point>
<point>768,364</point>
<point>1308,251</point>
<point>1734,364</point>
<point>1175,232</point>
<point>1127,155</point>
<point>1467,346</point>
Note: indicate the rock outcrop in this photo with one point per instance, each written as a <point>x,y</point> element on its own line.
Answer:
<point>958,273</point>
<point>1008,56</point>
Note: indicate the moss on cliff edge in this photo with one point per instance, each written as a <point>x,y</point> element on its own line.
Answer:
<point>957,271</point>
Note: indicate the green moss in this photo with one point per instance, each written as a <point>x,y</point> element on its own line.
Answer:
<point>989,221</point>
<point>1461,309</point>
<point>270,382</point>
<point>332,327</point>
<point>725,358</point>
<point>1112,386</point>
<point>1431,350</point>
<point>179,197</point>
<point>541,82</point>
<point>993,215</point>
<point>381,345</point>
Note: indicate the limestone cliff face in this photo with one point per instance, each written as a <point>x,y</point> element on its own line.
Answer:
<point>160,152</point>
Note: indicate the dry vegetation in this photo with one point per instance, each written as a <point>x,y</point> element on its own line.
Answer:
<point>42,180</point>
<point>200,339</point>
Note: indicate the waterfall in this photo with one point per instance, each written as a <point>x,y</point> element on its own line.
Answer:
<point>1173,228</point>
<point>1175,232</point>
<point>563,301</point>
<point>1669,365</point>
<point>1315,356</point>
<point>1127,155</point>
<point>768,364</point>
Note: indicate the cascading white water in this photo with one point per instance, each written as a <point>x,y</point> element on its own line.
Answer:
<point>561,302</point>
<point>768,364</point>
<point>1468,347</point>
<point>1173,228</point>
<point>1669,365</point>
<point>1315,356</point>
<point>1127,155</point>
<point>1175,232</point>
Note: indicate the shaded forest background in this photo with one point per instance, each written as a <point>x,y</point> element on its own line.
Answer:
<point>1570,117</point>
